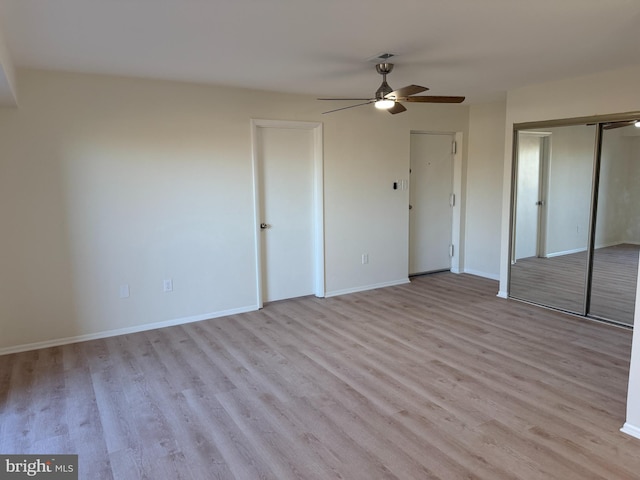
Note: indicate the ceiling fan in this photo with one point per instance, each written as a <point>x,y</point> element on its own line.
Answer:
<point>625,123</point>
<point>390,100</point>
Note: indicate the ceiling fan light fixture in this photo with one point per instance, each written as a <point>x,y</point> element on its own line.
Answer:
<point>637,124</point>
<point>391,100</point>
<point>384,104</point>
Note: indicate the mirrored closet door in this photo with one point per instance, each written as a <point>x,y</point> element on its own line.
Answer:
<point>617,224</point>
<point>576,228</point>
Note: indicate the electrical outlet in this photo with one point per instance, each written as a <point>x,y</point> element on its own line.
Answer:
<point>124,290</point>
<point>167,285</point>
<point>365,258</point>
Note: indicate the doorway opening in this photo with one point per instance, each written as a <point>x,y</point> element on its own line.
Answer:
<point>531,187</point>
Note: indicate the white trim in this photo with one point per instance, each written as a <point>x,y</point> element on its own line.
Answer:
<point>124,331</point>
<point>566,252</point>
<point>502,294</point>
<point>255,172</point>
<point>610,244</point>
<point>616,243</point>
<point>478,273</point>
<point>456,214</point>
<point>346,291</point>
<point>631,430</point>
<point>318,199</point>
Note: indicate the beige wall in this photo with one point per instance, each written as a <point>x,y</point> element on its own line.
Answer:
<point>484,189</point>
<point>570,172</point>
<point>632,424</point>
<point>618,218</point>
<point>106,181</point>
<point>604,93</point>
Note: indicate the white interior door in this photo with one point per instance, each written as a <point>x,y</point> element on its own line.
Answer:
<point>431,202</point>
<point>529,195</point>
<point>285,158</point>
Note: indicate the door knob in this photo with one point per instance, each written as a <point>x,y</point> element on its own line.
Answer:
<point>410,207</point>
<point>264,226</point>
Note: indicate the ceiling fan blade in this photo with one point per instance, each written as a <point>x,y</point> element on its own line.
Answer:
<point>350,106</point>
<point>350,99</point>
<point>406,91</point>
<point>397,108</point>
<point>432,99</point>
<point>611,126</point>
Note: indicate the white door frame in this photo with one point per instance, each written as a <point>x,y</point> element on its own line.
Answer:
<point>543,186</point>
<point>318,200</point>
<point>456,230</point>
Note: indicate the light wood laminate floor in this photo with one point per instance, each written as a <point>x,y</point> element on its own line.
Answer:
<point>434,379</point>
<point>559,282</point>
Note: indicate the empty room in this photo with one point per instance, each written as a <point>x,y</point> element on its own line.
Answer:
<point>310,240</point>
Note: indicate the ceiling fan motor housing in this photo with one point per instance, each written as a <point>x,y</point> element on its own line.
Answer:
<point>384,90</point>
<point>384,68</point>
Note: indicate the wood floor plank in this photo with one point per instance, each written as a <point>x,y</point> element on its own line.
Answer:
<point>341,395</point>
<point>435,379</point>
<point>560,281</point>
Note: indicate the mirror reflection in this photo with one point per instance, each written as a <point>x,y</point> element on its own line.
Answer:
<point>554,171</point>
<point>552,263</point>
<point>617,240</point>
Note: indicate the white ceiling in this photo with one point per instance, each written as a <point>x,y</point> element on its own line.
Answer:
<point>477,48</point>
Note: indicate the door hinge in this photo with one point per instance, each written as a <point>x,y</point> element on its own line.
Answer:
<point>454,147</point>
<point>452,200</point>
<point>451,250</point>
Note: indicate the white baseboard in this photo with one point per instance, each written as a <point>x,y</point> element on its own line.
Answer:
<point>346,291</point>
<point>123,331</point>
<point>577,250</point>
<point>631,430</point>
<point>610,244</point>
<point>502,294</point>
<point>619,242</point>
<point>478,273</point>
<point>566,252</point>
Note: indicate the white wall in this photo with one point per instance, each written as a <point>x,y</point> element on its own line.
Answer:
<point>570,177</point>
<point>619,190</point>
<point>106,181</point>
<point>604,93</point>
<point>631,198</point>
<point>611,215</point>
<point>632,424</point>
<point>483,200</point>
<point>363,213</point>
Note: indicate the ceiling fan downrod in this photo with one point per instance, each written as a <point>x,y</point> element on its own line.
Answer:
<point>384,89</point>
